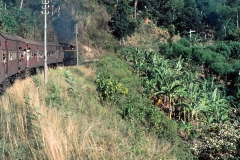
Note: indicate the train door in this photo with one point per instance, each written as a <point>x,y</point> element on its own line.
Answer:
<point>3,61</point>
<point>19,56</point>
<point>6,58</point>
<point>57,53</point>
<point>38,56</point>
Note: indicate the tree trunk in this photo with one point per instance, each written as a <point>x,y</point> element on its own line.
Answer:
<point>135,8</point>
<point>170,107</point>
<point>59,8</point>
<point>21,4</point>
<point>237,19</point>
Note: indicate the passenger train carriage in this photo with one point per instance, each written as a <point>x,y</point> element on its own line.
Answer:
<point>16,63</point>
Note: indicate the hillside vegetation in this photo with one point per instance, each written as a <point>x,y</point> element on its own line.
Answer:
<point>64,120</point>
<point>166,86</point>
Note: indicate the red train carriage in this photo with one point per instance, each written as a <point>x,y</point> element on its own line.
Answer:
<point>55,53</point>
<point>9,58</point>
<point>30,60</point>
<point>15,62</point>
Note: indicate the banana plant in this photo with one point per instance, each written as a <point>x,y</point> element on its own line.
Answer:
<point>219,107</point>
<point>188,129</point>
<point>170,87</point>
<point>190,103</point>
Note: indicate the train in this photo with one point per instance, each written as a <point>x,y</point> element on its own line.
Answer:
<point>20,57</point>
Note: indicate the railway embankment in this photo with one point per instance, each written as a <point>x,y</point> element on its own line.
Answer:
<point>64,119</point>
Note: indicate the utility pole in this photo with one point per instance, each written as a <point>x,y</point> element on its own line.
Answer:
<point>77,42</point>
<point>45,12</point>
<point>191,31</point>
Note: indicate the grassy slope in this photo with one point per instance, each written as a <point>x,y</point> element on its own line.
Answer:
<point>64,120</point>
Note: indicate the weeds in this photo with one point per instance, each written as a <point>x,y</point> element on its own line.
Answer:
<point>72,88</point>
<point>53,99</point>
<point>37,78</point>
<point>133,106</point>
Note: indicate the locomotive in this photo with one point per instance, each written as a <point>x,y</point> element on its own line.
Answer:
<point>70,57</point>
<point>21,57</point>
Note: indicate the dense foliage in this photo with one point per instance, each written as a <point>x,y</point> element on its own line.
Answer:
<point>117,87</point>
<point>121,23</point>
<point>200,106</point>
<point>203,16</point>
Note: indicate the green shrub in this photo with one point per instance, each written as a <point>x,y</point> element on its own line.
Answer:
<point>53,99</point>
<point>184,42</point>
<point>223,49</point>
<point>165,49</point>
<point>235,50</point>
<point>109,87</point>
<point>211,47</point>
<point>72,88</point>
<point>181,50</point>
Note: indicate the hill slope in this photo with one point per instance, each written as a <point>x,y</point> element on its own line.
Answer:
<point>64,120</point>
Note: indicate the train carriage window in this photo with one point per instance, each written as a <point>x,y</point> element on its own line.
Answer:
<point>41,54</point>
<point>57,52</point>
<point>10,55</point>
<point>13,55</point>
<point>4,56</point>
<point>37,53</point>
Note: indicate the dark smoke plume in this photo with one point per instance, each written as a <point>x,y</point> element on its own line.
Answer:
<point>64,27</point>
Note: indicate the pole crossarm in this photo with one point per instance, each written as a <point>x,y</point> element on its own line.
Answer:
<point>191,31</point>
<point>45,7</point>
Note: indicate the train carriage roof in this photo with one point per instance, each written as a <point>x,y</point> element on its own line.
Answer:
<point>53,44</point>
<point>50,43</point>
<point>28,41</point>
<point>10,37</point>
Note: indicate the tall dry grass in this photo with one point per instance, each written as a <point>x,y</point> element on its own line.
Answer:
<point>78,129</point>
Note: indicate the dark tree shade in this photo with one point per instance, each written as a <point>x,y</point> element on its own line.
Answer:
<point>120,23</point>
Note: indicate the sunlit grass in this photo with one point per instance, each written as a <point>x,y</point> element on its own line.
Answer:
<point>78,128</point>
